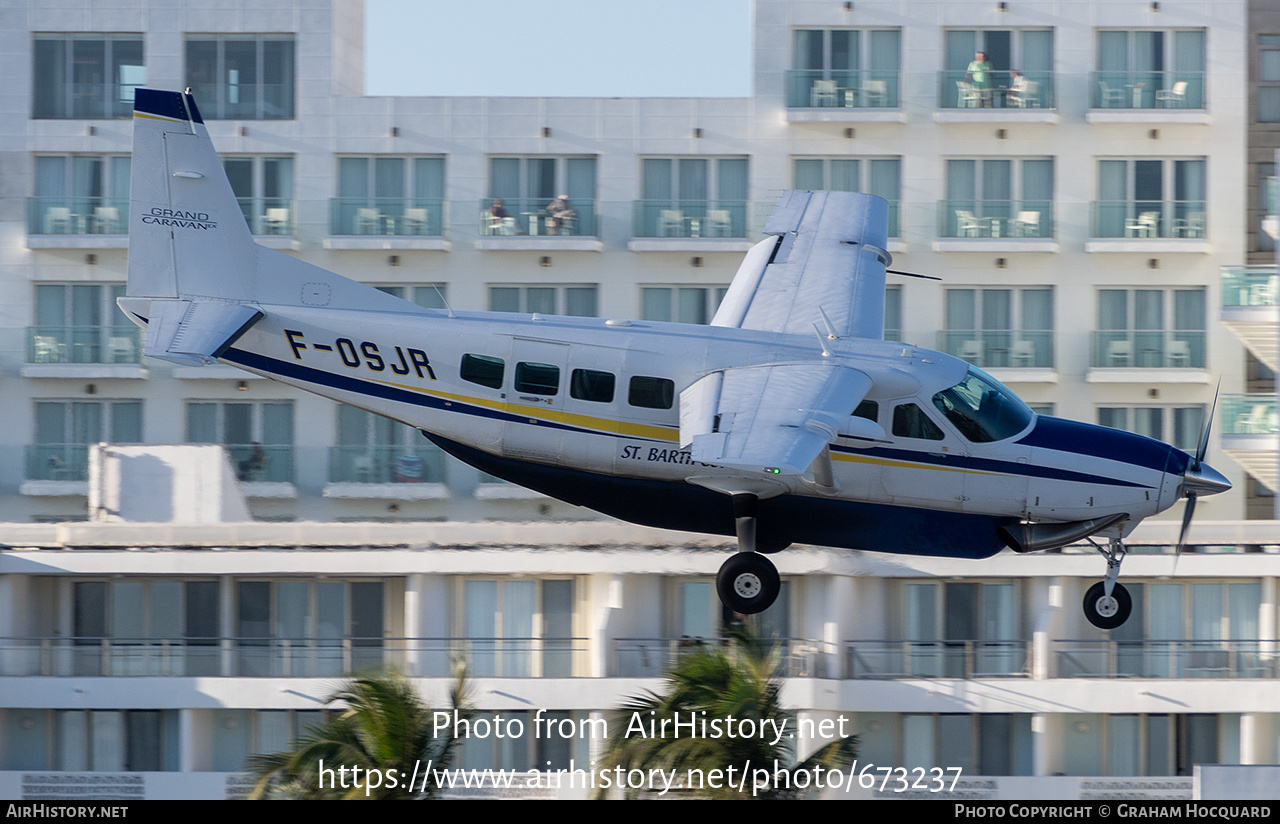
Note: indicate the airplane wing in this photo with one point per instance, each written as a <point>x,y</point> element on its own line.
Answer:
<point>775,419</point>
<point>826,251</point>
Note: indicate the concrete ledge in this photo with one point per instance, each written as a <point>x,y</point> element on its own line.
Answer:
<point>1015,375</point>
<point>1143,245</point>
<point>55,489</point>
<point>83,371</point>
<point>996,244</point>
<point>77,241</point>
<point>506,492</point>
<point>278,242</point>
<point>524,243</point>
<point>390,492</point>
<point>1133,374</point>
<point>996,116</point>
<point>689,244</point>
<point>1194,116</point>
<point>215,371</point>
<point>269,489</point>
<point>375,242</point>
<point>847,115</point>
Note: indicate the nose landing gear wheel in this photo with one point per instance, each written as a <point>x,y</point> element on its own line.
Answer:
<point>748,583</point>
<point>1107,612</point>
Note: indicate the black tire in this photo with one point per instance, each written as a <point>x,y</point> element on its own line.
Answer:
<point>748,583</point>
<point>1106,613</point>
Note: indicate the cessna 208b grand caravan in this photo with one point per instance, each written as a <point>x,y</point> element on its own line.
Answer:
<point>788,420</point>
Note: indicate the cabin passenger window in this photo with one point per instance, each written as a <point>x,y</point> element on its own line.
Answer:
<point>483,370</point>
<point>867,409</point>
<point>537,378</point>
<point>910,421</point>
<point>591,385</point>
<point>651,393</point>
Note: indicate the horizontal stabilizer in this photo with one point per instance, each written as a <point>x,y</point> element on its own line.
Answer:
<point>774,419</point>
<point>196,332</point>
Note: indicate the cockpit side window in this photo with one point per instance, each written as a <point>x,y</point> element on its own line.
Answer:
<point>867,409</point>
<point>910,421</point>
<point>982,409</point>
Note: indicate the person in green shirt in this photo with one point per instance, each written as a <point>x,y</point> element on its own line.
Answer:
<point>979,76</point>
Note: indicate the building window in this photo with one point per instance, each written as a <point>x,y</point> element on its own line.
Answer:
<point>518,628</point>
<point>561,742</point>
<point>540,196</point>
<point>692,197</point>
<point>578,301</point>
<point>146,628</point>
<point>1150,70</point>
<point>1150,328</point>
<point>80,195</point>
<point>1178,425</point>
<point>844,68</point>
<point>998,198</point>
<point>880,176</point>
<point>1269,78</point>
<point>308,628</point>
<point>1265,206</point>
<point>1134,199</point>
<point>263,187</point>
<point>258,436</point>
<point>66,429</point>
<point>428,296</point>
<point>1130,744</point>
<point>963,630</point>
<point>376,450</point>
<point>86,75</point>
<point>893,313</point>
<point>80,323</point>
<point>682,304</point>
<point>241,76</point>
<point>1026,52</point>
<point>1000,327</point>
<point>389,196</point>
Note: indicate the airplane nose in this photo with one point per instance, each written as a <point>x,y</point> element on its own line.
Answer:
<point>1202,479</point>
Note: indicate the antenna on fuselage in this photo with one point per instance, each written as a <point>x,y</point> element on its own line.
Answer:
<point>443,299</point>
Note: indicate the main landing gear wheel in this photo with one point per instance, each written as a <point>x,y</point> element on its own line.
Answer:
<point>1107,611</point>
<point>748,583</point>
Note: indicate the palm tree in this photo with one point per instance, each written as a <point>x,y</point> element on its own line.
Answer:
<point>742,682</point>
<point>383,729</point>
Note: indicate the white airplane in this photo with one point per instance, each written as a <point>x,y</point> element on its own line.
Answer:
<point>788,420</point>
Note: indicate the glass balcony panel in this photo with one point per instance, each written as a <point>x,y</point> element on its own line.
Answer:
<point>691,218</point>
<point>1249,415</point>
<point>395,216</point>
<point>999,348</point>
<point>1147,90</point>
<point>385,464</point>
<point>1148,219</point>
<point>938,659</point>
<point>1033,91</point>
<point>260,462</point>
<point>268,215</point>
<point>841,88</point>
<point>57,462</point>
<point>995,218</point>
<point>1165,659</point>
<point>535,217</point>
<point>84,344</point>
<point>1148,349</point>
<point>77,216</point>
<point>1249,285</point>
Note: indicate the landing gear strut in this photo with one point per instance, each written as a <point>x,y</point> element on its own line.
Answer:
<point>747,582</point>
<point>1107,603</point>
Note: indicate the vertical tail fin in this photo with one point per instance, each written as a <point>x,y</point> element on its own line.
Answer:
<point>187,235</point>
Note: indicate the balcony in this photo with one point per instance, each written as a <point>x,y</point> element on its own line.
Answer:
<point>84,352</point>
<point>57,462</point>
<point>254,657</point>
<point>1166,659</point>
<point>386,223</point>
<point>1249,309</point>
<point>395,472</point>
<point>1126,356</point>
<point>261,464</point>
<point>1148,226</point>
<point>995,226</point>
<point>77,223</point>
<point>937,659</point>
<point>652,657</point>
<point>269,218</point>
<point>842,95</point>
<point>1251,434</point>
<point>530,224</point>
<point>1003,100</point>
<point>1147,96</point>
<point>999,349</point>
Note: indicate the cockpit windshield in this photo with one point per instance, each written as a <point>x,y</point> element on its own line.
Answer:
<point>982,409</point>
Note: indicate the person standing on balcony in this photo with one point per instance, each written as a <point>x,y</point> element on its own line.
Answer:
<point>979,76</point>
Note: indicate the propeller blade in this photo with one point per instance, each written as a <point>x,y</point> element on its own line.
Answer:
<point>1208,427</point>
<point>1187,513</point>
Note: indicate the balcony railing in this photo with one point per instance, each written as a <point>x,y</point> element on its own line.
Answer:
<point>937,659</point>
<point>842,89</point>
<point>1147,219</point>
<point>84,344</point>
<point>1250,285</point>
<point>651,657</point>
<point>77,216</point>
<point>1148,349</point>
<point>268,215</point>
<point>999,348</point>
<point>995,218</point>
<point>1166,659</point>
<point>395,216</point>
<point>385,464</point>
<point>956,90</point>
<point>57,462</point>
<point>536,217</point>
<point>1147,90</point>
<point>254,657</point>
<point>89,101</point>
<point>1249,414</point>
<point>691,218</point>
<point>244,101</point>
